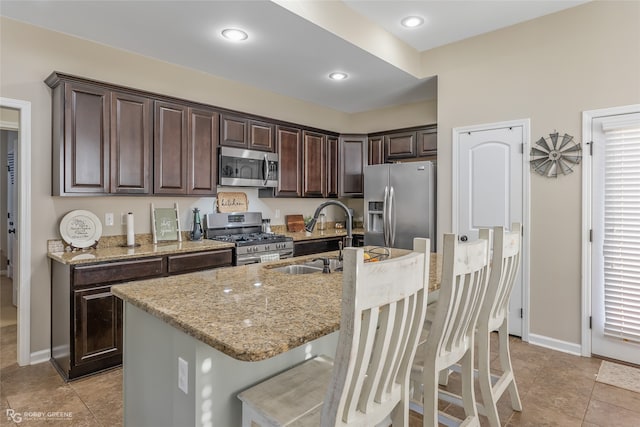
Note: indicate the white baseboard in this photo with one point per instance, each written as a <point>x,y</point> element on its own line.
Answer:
<point>555,344</point>
<point>40,356</point>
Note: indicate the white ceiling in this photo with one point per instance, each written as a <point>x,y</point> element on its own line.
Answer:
<point>285,53</point>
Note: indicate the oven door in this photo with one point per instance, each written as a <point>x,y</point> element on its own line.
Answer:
<point>247,168</point>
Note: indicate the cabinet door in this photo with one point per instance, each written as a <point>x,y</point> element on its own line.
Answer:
<point>261,136</point>
<point>375,150</point>
<point>97,325</point>
<point>233,131</point>
<point>86,139</point>
<point>352,149</point>
<point>332,167</point>
<point>170,148</point>
<point>428,142</point>
<point>203,155</point>
<point>314,164</point>
<point>400,145</point>
<point>289,147</point>
<point>131,118</point>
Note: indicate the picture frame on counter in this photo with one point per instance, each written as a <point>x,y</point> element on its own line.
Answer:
<point>165,224</point>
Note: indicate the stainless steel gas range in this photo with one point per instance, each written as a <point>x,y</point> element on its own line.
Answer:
<point>244,229</point>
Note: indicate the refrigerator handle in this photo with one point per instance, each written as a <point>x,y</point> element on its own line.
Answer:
<point>392,219</point>
<point>385,216</point>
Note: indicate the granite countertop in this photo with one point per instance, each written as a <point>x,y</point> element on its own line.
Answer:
<point>117,253</point>
<point>249,312</point>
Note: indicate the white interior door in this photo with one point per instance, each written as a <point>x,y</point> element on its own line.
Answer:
<point>615,226</point>
<point>490,191</point>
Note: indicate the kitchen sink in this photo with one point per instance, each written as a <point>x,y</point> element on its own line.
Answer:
<point>298,269</point>
<point>308,267</point>
<point>334,264</point>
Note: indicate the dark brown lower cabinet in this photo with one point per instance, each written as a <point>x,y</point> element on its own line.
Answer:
<point>86,318</point>
<point>97,325</point>
<point>315,246</point>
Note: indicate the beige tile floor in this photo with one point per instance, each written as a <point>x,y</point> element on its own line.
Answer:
<point>556,389</point>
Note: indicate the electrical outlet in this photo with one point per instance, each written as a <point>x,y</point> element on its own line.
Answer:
<point>123,218</point>
<point>183,375</point>
<point>108,219</point>
<point>277,213</point>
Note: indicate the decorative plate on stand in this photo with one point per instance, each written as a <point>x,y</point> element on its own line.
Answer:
<point>552,155</point>
<point>80,229</point>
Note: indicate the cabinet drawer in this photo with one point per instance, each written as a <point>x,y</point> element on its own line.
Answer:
<point>117,271</point>
<point>199,261</point>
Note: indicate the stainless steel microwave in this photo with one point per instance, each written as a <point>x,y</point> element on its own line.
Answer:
<point>247,168</point>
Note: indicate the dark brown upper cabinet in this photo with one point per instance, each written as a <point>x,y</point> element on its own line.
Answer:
<point>289,149</point>
<point>233,131</point>
<point>427,142</point>
<point>131,139</point>
<point>80,139</point>
<point>333,162</point>
<point>242,132</point>
<point>203,151</point>
<point>261,136</point>
<point>314,164</point>
<point>101,140</point>
<point>170,148</point>
<point>400,145</point>
<point>375,150</point>
<point>352,156</point>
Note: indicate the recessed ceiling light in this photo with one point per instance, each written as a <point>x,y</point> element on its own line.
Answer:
<point>338,76</point>
<point>412,21</point>
<point>234,34</point>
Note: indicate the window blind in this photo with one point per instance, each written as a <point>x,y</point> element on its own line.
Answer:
<point>622,230</point>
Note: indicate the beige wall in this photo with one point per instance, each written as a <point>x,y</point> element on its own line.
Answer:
<point>29,54</point>
<point>549,70</point>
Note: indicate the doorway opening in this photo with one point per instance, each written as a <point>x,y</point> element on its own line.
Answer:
<point>21,253</point>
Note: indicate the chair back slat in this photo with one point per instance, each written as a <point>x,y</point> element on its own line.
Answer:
<point>505,265</point>
<point>383,309</point>
<point>462,291</point>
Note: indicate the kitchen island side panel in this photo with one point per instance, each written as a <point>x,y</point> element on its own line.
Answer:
<point>151,393</point>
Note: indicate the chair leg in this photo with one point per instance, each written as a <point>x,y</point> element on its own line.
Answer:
<point>430,398</point>
<point>468,394</point>
<point>505,363</point>
<point>483,338</point>
<point>400,415</point>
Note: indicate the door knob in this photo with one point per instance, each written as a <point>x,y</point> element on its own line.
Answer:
<point>463,238</point>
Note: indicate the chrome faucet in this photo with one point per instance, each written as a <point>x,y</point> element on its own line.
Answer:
<point>348,241</point>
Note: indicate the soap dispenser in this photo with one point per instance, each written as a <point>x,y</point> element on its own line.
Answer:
<point>196,232</point>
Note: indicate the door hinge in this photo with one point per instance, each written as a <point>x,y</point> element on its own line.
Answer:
<point>590,148</point>
<point>522,148</point>
<point>591,235</point>
<point>590,322</point>
<point>521,313</point>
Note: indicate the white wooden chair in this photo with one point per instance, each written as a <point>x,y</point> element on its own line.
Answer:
<point>383,310</point>
<point>449,337</point>
<point>494,316</point>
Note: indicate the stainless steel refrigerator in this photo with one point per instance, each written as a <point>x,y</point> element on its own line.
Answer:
<point>400,204</point>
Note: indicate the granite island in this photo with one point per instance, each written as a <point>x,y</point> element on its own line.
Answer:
<point>228,328</point>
